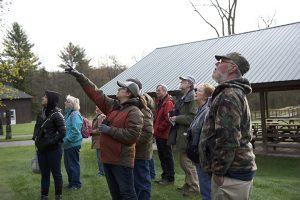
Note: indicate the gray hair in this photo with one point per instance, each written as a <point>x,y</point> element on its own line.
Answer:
<point>164,87</point>
<point>74,101</point>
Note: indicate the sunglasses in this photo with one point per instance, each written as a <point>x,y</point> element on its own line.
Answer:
<point>225,61</point>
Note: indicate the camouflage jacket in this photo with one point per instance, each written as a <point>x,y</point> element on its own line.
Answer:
<point>224,145</point>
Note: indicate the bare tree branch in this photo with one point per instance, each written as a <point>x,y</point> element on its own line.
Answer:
<point>195,9</point>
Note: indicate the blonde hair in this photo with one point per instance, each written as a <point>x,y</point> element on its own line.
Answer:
<point>208,88</point>
<point>74,101</point>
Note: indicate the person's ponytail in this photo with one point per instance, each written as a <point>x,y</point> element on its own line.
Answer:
<point>142,102</point>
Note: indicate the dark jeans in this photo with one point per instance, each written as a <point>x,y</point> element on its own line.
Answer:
<point>100,164</point>
<point>72,165</point>
<point>152,167</point>
<point>120,182</point>
<point>142,179</point>
<point>50,161</point>
<point>166,159</point>
<point>205,183</point>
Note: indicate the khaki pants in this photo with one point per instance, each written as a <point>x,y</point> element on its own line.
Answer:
<point>191,176</point>
<point>232,189</point>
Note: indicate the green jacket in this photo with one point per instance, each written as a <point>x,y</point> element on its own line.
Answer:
<point>187,112</point>
<point>225,146</point>
<point>143,146</point>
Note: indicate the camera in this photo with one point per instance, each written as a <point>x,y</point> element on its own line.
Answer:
<point>173,113</point>
<point>106,122</point>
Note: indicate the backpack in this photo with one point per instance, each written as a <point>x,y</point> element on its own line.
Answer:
<point>86,129</point>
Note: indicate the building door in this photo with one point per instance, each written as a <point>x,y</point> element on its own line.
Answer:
<point>13,116</point>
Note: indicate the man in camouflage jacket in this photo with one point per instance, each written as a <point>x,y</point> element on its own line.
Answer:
<point>225,148</point>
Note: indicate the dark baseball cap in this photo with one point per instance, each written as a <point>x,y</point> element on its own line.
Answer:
<point>132,87</point>
<point>238,59</point>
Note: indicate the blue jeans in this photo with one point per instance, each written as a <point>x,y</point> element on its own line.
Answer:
<point>50,161</point>
<point>205,183</point>
<point>120,182</point>
<point>72,165</point>
<point>142,179</point>
<point>152,168</point>
<point>100,164</point>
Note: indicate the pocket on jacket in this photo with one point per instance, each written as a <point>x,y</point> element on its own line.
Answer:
<point>110,149</point>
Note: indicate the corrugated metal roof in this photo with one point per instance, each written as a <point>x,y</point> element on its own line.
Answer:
<point>273,54</point>
<point>15,94</point>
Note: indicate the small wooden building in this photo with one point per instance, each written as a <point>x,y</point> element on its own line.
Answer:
<point>19,105</point>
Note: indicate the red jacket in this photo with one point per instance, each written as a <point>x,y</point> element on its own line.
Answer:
<point>126,122</point>
<point>162,124</point>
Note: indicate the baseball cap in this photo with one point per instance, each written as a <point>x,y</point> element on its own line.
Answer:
<point>137,81</point>
<point>132,87</point>
<point>238,59</point>
<point>188,78</point>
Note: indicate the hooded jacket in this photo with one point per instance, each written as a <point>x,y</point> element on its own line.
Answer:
<point>50,128</point>
<point>225,148</point>
<point>126,122</point>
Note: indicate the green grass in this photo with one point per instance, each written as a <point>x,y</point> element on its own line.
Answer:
<point>21,129</point>
<point>29,137</point>
<point>277,178</point>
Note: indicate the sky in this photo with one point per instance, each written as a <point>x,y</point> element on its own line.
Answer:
<point>130,29</point>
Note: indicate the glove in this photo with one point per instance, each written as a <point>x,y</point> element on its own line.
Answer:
<point>103,128</point>
<point>72,71</point>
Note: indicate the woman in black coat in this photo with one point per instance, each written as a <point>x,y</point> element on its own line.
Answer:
<point>49,132</point>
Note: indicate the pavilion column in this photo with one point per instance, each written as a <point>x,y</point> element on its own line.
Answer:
<point>263,109</point>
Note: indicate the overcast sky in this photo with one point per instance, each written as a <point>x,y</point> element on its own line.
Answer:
<point>129,29</point>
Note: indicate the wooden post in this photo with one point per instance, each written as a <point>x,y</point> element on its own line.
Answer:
<point>8,125</point>
<point>263,119</point>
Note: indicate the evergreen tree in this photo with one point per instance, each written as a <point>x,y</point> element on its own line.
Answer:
<point>75,56</point>
<point>18,56</point>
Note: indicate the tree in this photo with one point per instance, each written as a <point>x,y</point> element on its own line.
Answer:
<point>4,7</point>
<point>267,21</point>
<point>18,57</point>
<point>74,56</point>
<point>227,15</point>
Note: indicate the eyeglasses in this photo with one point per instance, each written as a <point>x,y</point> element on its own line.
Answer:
<point>225,61</point>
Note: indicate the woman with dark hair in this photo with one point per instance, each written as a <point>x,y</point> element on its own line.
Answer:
<point>119,132</point>
<point>49,132</point>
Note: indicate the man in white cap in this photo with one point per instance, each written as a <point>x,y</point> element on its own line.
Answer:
<point>183,114</point>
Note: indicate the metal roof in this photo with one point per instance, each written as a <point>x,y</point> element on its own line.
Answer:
<point>15,94</point>
<point>273,54</point>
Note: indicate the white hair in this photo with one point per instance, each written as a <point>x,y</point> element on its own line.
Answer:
<point>74,101</point>
<point>163,86</point>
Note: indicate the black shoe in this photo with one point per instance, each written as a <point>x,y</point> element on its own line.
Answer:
<point>44,197</point>
<point>166,182</point>
<point>74,188</point>
<point>58,197</point>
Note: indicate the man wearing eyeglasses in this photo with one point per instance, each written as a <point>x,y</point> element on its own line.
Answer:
<point>225,148</point>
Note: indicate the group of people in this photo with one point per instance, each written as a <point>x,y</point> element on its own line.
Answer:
<point>54,135</point>
<point>208,127</point>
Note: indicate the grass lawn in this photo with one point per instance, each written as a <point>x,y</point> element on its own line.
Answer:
<point>277,178</point>
<point>21,129</point>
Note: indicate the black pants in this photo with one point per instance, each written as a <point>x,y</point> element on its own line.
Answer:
<point>166,159</point>
<point>49,161</point>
